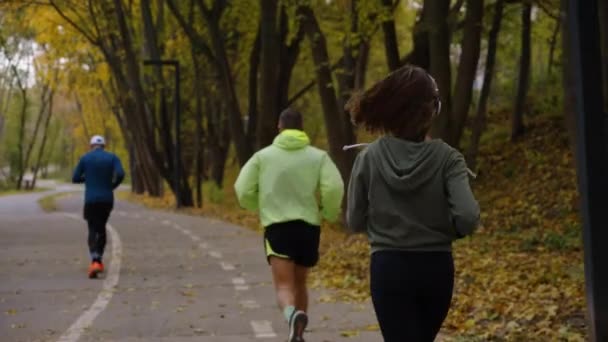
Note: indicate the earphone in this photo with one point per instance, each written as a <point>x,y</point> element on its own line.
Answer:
<point>437,100</point>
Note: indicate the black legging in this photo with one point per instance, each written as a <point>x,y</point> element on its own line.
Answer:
<point>411,292</point>
<point>97,215</point>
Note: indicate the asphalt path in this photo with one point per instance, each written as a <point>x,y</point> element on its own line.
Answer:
<point>169,277</point>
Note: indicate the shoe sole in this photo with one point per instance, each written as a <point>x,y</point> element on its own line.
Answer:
<point>93,274</point>
<point>299,325</point>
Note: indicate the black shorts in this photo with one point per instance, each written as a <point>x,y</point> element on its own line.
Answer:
<point>98,211</point>
<point>294,240</point>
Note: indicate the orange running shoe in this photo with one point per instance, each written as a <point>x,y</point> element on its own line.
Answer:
<point>95,269</point>
<point>102,267</point>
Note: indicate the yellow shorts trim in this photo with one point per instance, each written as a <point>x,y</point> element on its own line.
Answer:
<point>270,252</point>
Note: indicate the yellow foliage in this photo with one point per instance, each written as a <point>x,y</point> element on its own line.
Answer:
<point>519,278</point>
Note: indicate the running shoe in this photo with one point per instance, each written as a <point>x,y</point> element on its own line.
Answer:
<point>95,269</point>
<point>297,324</point>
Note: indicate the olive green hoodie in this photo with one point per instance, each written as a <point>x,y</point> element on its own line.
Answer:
<point>411,195</point>
<point>282,181</point>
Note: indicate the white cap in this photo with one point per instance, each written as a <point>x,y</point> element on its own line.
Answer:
<point>98,140</point>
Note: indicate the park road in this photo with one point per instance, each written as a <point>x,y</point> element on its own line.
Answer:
<point>169,277</point>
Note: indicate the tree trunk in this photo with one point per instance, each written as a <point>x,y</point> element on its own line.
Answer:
<point>467,69</point>
<point>137,183</point>
<point>568,80</point>
<point>346,76</point>
<point>219,140</point>
<point>83,120</point>
<point>151,46</point>
<point>243,149</point>
<point>139,99</point>
<point>185,191</point>
<point>198,170</point>
<point>420,54</point>
<point>3,109</point>
<point>288,58</point>
<point>552,45</point>
<point>439,48</point>
<point>480,118</point>
<point>21,133</point>
<point>198,143</point>
<point>44,101</point>
<point>219,156</point>
<point>333,115</point>
<point>44,164</point>
<point>391,48</point>
<point>219,60</point>
<point>118,52</point>
<point>151,50</point>
<point>146,169</point>
<point>517,120</point>
<point>45,132</point>
<point>361,67</point>
<point>267,125</point>
<point>252,116</point>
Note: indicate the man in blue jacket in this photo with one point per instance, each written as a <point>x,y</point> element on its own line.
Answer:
<point>101,172</point>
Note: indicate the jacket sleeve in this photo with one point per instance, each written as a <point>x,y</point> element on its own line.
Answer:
<point>119,173</point>
<point>331,188</point>
<point>78,176</point>
<point>358,204</point>
<point>247,184</point>
<point>464,209</point>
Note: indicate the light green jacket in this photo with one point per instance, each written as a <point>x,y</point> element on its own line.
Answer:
<point>282,182</point>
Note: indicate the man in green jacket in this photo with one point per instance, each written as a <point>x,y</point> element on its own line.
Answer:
<point>282,182</point>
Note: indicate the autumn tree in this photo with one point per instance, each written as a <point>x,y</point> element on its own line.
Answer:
<point>479,122</point>
<point>517,121</point>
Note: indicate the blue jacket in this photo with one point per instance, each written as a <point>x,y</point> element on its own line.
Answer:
<point>101,172</point>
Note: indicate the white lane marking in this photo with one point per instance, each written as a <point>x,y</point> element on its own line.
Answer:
<point>195,238</point>
<point>121,213</point>
<point>238,281</point>
<point>105,295</point>
<point>250,304</point>
<point>203,245</point>
<point>166,223</point>
<point>215,254</point>
<point>263,329</point>
<point>136,216</point>
<point>240,284</point>
<point>227,266</point>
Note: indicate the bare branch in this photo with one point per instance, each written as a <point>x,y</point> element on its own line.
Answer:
<point>197,39</point>
<point>87,35</point>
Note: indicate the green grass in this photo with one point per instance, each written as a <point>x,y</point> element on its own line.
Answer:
<point>9,192</point>
<point>49,203</point>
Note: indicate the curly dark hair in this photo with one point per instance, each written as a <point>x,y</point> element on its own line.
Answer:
<point>402,104</point>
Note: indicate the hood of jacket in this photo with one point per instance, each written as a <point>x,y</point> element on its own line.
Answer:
<point>407,165</point>
<point>291,139</point>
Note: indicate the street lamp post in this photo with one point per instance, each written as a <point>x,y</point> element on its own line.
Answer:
<point>177,153</point>
<point>592,157</point>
